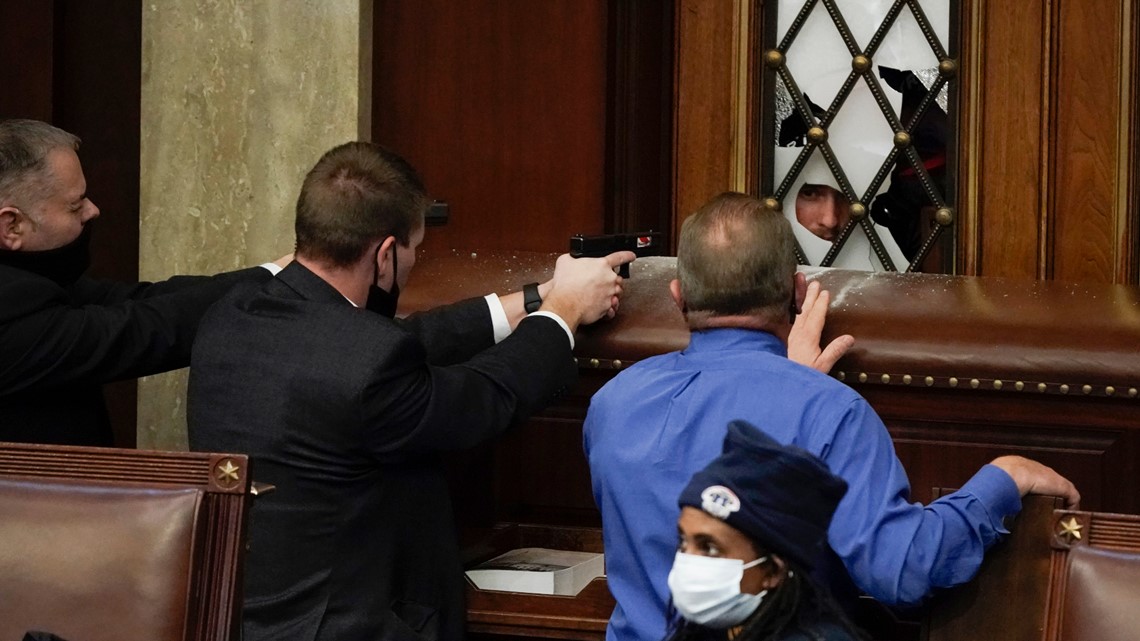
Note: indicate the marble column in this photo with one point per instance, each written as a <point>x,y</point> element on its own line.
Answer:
<point>239,99</point>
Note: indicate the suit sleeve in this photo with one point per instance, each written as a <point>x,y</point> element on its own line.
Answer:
<point>453,333</point>
<point>418,407</point>
<point>895,550</point>
<point>106,292</point>
<point>50,340</point>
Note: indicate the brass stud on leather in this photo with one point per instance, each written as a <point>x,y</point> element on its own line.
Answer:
<point>906,379</point>
<point>997,384</point>
<point>902,140</point>
<point>886,378</point>
<point>1109,390</point>
<point>974,383</point>
<point>1132,392</point>
<point>861,63</point>
<point>817,135</point>
<point>1086,389</point>
<point>774,59</point>
<point>616,364</point>
<point>858,211</point>
<point>841,376</point>
<point>953,382</point>
<point>1041,387</point>
<point>944,216</point>
<point>594,362</point>
<point>1019,386</point>
<point>862,377</point>
<point>948,68</point>
<point>929,380</point>
<point>1064,389</point>
<point>771,204</point>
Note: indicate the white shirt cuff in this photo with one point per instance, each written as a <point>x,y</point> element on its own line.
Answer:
<point>498,317</point>
<point>273,268</point>
<point>561,323</point>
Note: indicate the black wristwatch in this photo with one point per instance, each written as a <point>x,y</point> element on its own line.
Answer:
<point>531,300</point>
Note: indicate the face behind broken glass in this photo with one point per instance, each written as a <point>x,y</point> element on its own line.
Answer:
<point>824,210</point>
<point>855,127</point>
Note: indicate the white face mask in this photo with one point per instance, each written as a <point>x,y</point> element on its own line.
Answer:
<point>706,590</point>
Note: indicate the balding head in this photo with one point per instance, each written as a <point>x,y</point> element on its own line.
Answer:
<point>736,258</point>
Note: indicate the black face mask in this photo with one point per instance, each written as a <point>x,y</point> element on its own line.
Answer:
<point>380,301</point>
<point>62,265</point>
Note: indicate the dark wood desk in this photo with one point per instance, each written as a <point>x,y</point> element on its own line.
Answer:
<point>961,370</point>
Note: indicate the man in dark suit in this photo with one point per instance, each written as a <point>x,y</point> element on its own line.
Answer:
<point>345,409</point>
<point>62,334</point>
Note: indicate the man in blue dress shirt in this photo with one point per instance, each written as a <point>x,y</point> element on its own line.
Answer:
<point>660,421</point>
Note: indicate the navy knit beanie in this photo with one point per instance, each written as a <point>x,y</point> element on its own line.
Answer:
<point>779,495</point>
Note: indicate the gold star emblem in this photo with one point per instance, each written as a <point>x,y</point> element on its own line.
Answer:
<point>227,472</point>
<point>1070,530</point>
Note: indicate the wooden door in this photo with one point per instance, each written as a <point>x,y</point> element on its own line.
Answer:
<point>533,120</point>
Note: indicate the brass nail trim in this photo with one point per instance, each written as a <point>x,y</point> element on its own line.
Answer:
<point>886,378</point>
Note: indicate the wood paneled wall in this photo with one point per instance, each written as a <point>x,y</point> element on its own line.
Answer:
<point>502,108</point>
<point>25,59</point>
<point>1094,146</point>
<point>1053,180</point>
<point>639,129</point>
<point>533,120</point>
<point>1049,176</point>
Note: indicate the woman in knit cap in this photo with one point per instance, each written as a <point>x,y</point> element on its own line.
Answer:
<point>753,525</point>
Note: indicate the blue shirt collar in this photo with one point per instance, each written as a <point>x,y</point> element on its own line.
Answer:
<point>734,338</point>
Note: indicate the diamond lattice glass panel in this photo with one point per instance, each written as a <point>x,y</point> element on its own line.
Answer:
<point>859,128</point>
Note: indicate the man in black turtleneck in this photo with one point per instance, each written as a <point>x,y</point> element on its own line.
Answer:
<point>62,335</point>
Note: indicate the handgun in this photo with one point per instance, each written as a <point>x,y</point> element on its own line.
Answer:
<point>646,243</point>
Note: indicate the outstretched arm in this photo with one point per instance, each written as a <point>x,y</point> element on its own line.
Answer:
<point>895,550</point>
<point>803,341</point>
<point>898,551</point>
<point>1032,477</point>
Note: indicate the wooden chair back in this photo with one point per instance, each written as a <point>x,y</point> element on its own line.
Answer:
<point>104,544</point>
<point>1062,575</point>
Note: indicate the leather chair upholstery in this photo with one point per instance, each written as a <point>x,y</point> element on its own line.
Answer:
<point>100,544</point>
<point>1102,595</point>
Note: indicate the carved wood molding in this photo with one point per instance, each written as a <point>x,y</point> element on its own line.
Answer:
<point>968,135</point>
<point>716,111</point>
<point>746,98</point>
<point>1128,158</point>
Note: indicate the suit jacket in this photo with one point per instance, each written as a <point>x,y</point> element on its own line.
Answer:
<point>58,346</point>
<point>346,411</point>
